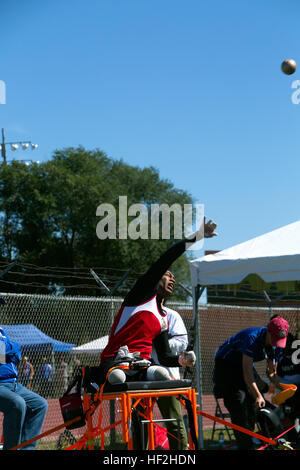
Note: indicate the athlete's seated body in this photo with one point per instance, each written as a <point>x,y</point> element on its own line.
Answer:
<point>142,321</point>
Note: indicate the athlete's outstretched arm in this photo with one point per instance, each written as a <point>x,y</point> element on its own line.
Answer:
<point>146,285</point>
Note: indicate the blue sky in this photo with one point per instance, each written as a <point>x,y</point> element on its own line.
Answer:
<point>192,88</point>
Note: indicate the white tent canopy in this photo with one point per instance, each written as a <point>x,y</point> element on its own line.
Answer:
<point>274,257</point>
<point>93,347</point>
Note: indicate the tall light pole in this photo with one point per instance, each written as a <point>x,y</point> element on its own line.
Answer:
<point>6,226</point>
<point>3,147</point>
<point>14,146</point>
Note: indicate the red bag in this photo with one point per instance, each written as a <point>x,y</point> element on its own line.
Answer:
<point>160,438</point>
<point>71,407</point>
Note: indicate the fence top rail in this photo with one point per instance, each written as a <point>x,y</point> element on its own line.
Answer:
<point>248,307</point>
<point>80,298</point>
<point>61,297</point>
<point>181,304</point>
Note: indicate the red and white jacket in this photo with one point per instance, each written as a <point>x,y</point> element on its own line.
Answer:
<point>136,327</point>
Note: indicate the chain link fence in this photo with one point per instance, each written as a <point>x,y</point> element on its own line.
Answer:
<point>55,331</point>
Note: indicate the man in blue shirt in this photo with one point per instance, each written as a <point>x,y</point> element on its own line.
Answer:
<point>24,411</point>
<point>235,378</point>
<point>45,373</point>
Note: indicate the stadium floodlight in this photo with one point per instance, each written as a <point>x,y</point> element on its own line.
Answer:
<point>14,146</point>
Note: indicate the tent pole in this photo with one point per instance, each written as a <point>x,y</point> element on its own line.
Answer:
<point>197,292</point>
<point>272,302</point>
<point>269,301</point>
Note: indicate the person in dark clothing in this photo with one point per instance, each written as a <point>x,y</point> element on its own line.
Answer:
<point>234,374</point>
<point>288,367</point>
<point>288,371</point>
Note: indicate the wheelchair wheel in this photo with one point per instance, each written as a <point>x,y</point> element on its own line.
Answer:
<point>269,423</point>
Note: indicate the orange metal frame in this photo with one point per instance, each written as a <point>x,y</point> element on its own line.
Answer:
<point>128,401</point>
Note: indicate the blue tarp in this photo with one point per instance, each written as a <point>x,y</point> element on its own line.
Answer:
<point>29,337</point>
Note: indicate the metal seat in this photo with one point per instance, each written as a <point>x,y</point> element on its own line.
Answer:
<point>223,415</point>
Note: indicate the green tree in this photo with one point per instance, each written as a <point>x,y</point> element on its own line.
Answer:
<point>50,210</point>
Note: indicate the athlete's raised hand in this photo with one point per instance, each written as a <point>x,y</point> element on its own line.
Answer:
<point>209,229</point>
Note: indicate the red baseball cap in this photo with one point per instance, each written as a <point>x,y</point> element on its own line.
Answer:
<point>278,329</point>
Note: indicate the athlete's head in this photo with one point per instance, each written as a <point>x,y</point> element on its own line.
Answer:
<point>166,285</point>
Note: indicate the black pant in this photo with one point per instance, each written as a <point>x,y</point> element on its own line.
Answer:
<point>230,385</point>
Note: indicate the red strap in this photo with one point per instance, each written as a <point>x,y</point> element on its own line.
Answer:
<point>238,428</point>
<point>46,433</point>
